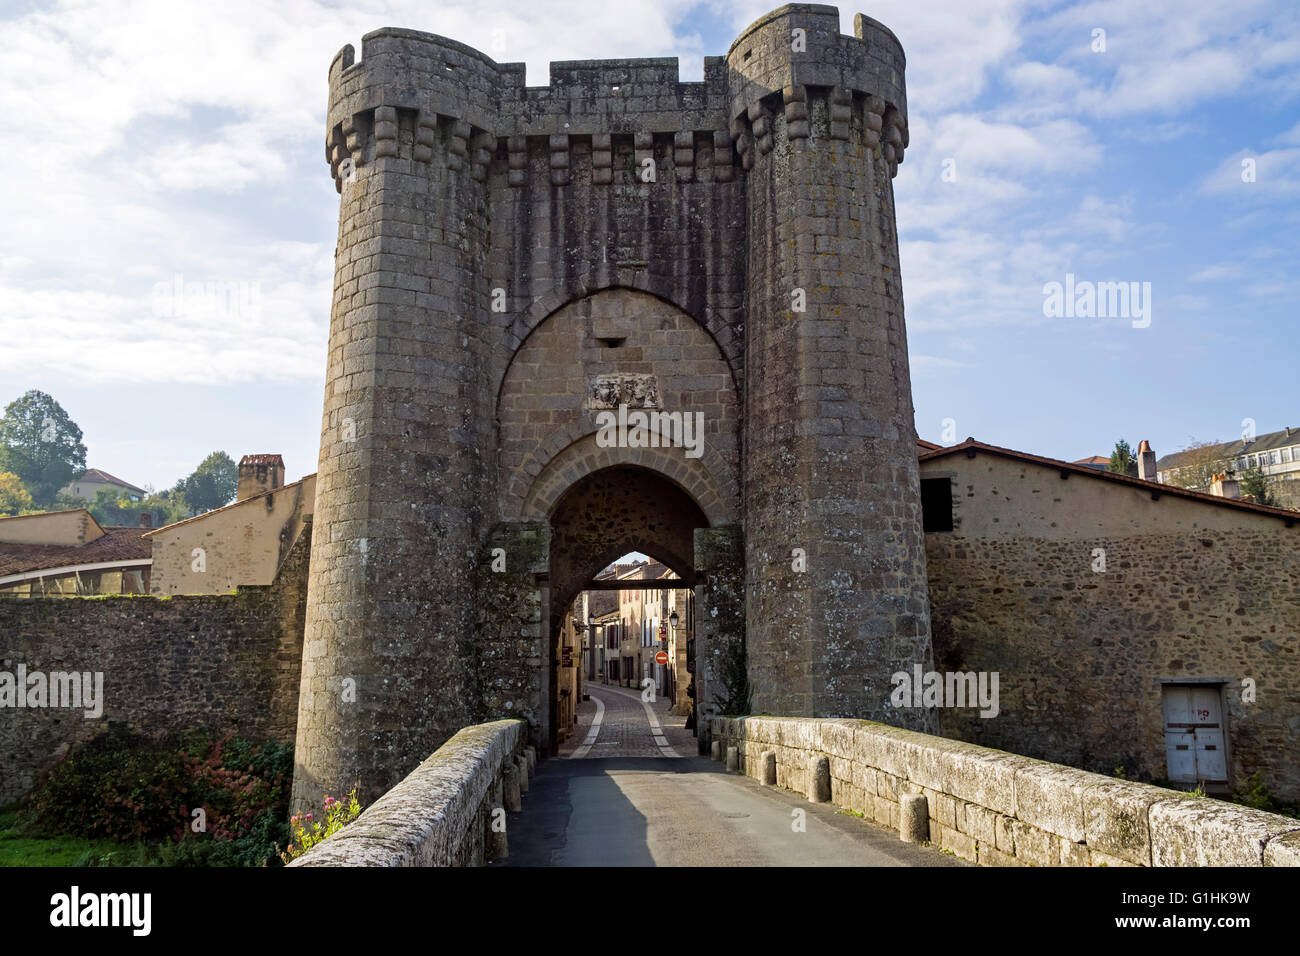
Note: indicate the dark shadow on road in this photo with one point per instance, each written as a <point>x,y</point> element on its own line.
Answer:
<point>608,829</point>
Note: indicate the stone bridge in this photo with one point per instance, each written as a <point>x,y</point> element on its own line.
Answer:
<point>781,791</point>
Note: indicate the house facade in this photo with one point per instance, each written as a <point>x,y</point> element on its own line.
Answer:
<point>1134,627</point>
<point>91,481</point>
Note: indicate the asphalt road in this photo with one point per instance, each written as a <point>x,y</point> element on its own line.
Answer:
<point>605,808</point>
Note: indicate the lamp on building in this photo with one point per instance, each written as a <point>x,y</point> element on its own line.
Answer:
<point>673,620</point>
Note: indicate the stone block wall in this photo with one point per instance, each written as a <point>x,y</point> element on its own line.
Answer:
<point>513,618</point>
<point>1000,809</point>
<point>228,663</point>
<point>441,814</point>
<point>829,440</point>
<point>1087,596</point>
<point>610,348</point>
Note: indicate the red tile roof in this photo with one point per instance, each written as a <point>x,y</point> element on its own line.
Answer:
<point>123,544</point>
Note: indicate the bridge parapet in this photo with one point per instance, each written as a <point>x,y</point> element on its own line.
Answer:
<point>998,808</point>
<point>446,812</point>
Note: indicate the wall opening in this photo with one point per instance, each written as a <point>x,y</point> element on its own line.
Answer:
<point>936,504</point>
<point>636,523</point>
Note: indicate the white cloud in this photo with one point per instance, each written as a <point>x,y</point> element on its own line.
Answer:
<point>1216,273</point>
<point>1167,56</point>
<point>172,139</point>
<point>1276,174</point>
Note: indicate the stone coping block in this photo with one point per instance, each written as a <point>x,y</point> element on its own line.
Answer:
<point>1203,832</point>
<point>1283,850</point>
<point>424,819</point>
<point>1051,808</point>
<point>1115,814</point>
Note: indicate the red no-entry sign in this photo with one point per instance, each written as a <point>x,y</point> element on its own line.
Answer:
<point>661,657</point>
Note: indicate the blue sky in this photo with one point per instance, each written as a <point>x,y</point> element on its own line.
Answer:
<point>156,140</point>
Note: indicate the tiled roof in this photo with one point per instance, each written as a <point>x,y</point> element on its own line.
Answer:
<point>1232,449</point>
<point>971,448</point>
<point>117,544</point>
<point>96,474</point>
<point>614,570</point>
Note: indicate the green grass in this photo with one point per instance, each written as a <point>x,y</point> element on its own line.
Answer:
<point>17,848</point>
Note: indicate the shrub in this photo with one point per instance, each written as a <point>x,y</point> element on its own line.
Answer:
<point>307,832</point>
<point>118,785</point>
<point>123,786</point>
<point>1254,793</point>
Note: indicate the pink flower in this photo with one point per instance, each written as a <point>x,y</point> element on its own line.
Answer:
<point>309,816</point>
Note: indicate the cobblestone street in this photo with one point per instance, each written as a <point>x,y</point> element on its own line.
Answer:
<point>623,727</point>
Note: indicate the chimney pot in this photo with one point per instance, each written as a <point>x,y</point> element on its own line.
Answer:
<point>1146,461</point>
<point>259,474</point>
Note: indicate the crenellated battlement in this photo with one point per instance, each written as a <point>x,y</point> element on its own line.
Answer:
<point>458,103</point>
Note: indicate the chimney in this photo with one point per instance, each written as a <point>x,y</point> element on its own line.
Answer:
<point>146,519</point>
<point>259,474</point>
<point>1224,487</point>
<point>1146,461</point>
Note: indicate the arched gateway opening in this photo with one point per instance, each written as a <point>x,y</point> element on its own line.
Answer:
<point>607,514</point>
<point>578,493</point>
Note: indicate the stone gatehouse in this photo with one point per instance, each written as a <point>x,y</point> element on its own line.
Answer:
<point>512,261</point>
<point>514,264</point>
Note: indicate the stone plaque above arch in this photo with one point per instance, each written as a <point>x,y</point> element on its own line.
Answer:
<point>564,376</point>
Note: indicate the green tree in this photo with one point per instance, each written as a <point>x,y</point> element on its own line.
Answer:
<point>14,499</point>
<point>1122,460</point>
<point>41,445</point>
<point>1255,484</point>
<point>164,507</point>
<point>212,484</point>
<point>1199,462</point>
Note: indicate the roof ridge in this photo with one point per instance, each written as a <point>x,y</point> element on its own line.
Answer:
<point>970,444</point>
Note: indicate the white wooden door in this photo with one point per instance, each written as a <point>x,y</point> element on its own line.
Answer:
<point>1194,737</point>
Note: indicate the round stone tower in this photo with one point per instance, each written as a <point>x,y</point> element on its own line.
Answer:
<point>401,484</point>
<point>836,590</point>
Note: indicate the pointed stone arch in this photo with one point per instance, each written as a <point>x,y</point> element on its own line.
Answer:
<point>548,408</point>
